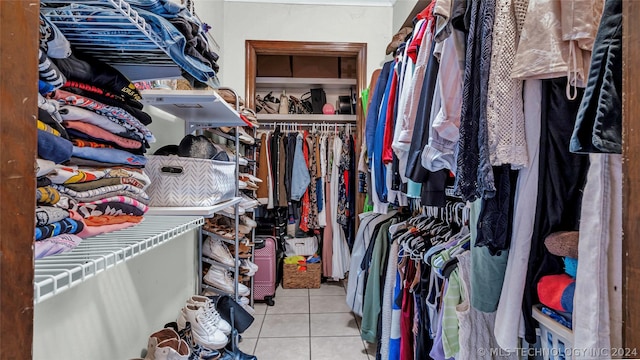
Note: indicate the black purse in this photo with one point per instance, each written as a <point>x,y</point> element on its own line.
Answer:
<point>318,99</point>
<point>241,318</point>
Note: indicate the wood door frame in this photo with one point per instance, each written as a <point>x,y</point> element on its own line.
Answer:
<point>19,37</point>
<point>253,48</point>
<point>630,176</point>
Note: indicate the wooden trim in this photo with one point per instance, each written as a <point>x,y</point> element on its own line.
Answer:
<point>630,176</point>
<point>264,47</point>
<point>341,49</point>
<point>19,36</point>
<point>250,74</point>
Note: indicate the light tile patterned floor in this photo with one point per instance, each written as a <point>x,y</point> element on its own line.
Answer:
<point>313,324</point>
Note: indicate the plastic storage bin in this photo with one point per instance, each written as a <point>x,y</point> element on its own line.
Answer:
<point>556,339</point>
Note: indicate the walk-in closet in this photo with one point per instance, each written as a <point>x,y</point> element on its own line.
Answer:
<point>311,180</point>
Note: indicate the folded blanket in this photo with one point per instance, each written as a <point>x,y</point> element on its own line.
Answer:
<point>44,127</point>
<point>45,167</point>
<point>111,220</point>
<point>49,72</point>
<point>114,113</point>
<point>66,226</point>
<point>92,144</point>
<point>54,148</point>
<point>557,317</point>
<point>74,113</point>
<point>113,156</point>
<point>89,231</point>
<point>78,161</point>
<point>43,181</point>
<point>60,174</point>
<point>109,208</point>
<point>47,119</point>
<point>556,292</point>
<point>66,202</point>
<point>90,185</point>
<point>104,192</point>
<point>47,195</point>
<point>132,107</point>
<point>56,245</point>
<point>115,205</point>
<point>46,215</point>
<point>96,132</point>
<point>98,73</point>
<point>570,266</point>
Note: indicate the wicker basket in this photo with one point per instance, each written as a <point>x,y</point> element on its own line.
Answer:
<point>293,278</point>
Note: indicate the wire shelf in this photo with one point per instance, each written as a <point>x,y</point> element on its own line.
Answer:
<point>96,254</point>
<point>144,55</point>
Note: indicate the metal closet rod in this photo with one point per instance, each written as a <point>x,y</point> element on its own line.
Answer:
<point>319,126</point>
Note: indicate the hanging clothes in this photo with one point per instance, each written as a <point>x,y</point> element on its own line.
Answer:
<point>509,324</point>
<point>474,178</point>
<point>341,255</point>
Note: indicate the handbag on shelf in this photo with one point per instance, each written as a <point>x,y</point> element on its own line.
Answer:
<point>267,105</point>
<point>296,106</point>
<point>284,104</point>
<point>301,246</point>
<point>318,99</point>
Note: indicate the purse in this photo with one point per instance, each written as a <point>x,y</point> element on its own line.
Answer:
<point>301,246</point>
<point>318,99</point>
<point>241,318</point>
<point>284,104</point>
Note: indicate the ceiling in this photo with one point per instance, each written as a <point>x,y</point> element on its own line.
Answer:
<point>326,2</point>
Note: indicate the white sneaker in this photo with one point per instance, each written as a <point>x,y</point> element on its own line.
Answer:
<point>248,203</point>
<point>223,280</point>
<point>210,311</point>
<point>231,210</point>
<point>216,250</point>
<point>247,264</point>
<point>248,221</point>
<point>172,349</point>
<point>203,331</point>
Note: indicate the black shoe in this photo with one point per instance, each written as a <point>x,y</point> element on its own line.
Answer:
<point>237,355</point>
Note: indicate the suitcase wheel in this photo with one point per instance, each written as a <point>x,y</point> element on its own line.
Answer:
<point>269,300</point>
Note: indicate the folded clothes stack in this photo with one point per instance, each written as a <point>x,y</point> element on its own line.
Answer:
<point>92,137</point>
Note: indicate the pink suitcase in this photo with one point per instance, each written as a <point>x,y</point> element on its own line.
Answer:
<point>264,281</point>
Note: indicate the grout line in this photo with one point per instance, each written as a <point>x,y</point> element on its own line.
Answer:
<point>309,302</point>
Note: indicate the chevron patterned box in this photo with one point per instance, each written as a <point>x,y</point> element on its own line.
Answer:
<point>189,182</point>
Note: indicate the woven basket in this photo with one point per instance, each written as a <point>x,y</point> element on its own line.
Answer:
<point>293,278</point>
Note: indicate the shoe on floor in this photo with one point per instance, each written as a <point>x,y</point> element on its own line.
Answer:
<point>223,280</point>
<point>203,331</point>
<point>216,250</point>
<point>158,337</point>
<point>198,352</point>
<point>172,349</point>
<point>210,311</point>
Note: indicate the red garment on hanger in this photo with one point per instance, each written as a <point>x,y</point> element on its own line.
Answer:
<point>406,314</point>
<point>304,213</point>
<point>413,47</point>
<point>387,151</point>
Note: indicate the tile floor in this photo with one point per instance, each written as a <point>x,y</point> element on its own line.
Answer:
<point>304,324</point>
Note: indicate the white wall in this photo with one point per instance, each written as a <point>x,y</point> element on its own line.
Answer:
<point>259,21</point>
<point>110,316</point>
<point>401,9</point>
